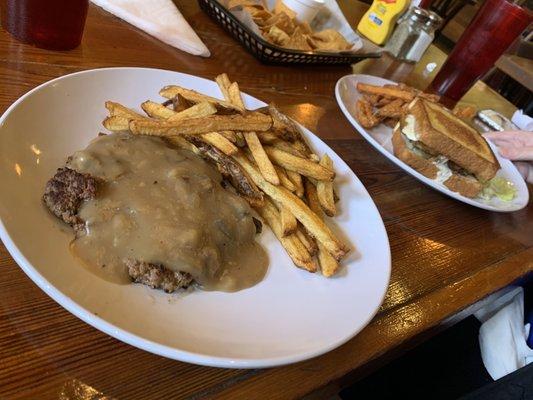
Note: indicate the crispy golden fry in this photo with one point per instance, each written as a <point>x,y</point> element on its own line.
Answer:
<point>328,264</point>
<point>364,114</point>
<point>391,110</point>
<point>301,147</point>
<point>284,179</point>
<point>297,164</point>
<point>170,92</point>
<point>287,147</point>
<point>307,241</point>
<point>296,179</point>
<point>288,222</point>
<point>180,103</point>
<point>220,142</point>
<point>267,137</point>
<point>383,101</point>
<point>159,111</point>
<point>156,110</point>
<point>230,135</point>
<point>197,126</point>
<point>435,98</point>
<point>116,123</point>
<point>372,98</point>
<point>294,247</point>
<point>117,109</point>
<point>314,225</point>
<point>182,143</point>
<point>386,91</point>
<point>223,83</point>
<point>197,111</point>
<point>261,158</point>
<point>325,190</point>
<point>235,95</point>
<point>282,125</point>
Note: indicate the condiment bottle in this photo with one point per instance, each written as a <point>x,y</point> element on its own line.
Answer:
<point>378,22</point>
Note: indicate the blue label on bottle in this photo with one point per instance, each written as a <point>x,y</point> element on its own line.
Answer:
<point>375,19</point>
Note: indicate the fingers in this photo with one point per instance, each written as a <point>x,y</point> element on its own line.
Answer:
<point>526,170</point>
<point>514,153</point>
<point>518,137</point>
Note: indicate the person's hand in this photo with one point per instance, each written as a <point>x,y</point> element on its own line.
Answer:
<point>517,146</point>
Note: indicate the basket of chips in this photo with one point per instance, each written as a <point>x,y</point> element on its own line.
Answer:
<point>275,37</point>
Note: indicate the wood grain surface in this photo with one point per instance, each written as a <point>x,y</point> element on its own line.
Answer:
<point>446,255</point>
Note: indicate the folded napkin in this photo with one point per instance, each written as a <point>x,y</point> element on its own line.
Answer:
<point>159,18</point>
<point>503,335</point>
<point>523,121</point>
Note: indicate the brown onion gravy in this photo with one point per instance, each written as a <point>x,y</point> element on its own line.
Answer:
<point>164,206</point>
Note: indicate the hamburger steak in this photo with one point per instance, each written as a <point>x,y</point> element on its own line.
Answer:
<point>64,194</point>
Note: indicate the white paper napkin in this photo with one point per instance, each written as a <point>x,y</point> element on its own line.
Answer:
<point>523,121</point>
<point>502,336</point>
<point>159,18</point>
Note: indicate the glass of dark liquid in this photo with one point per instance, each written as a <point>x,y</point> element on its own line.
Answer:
<point>496,25</point>
<point>50,24</point>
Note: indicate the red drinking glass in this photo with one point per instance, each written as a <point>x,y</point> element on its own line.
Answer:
<point>496,25</point>
<point>50,24</point>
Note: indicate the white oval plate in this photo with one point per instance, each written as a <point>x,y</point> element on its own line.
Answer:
<point>290,316</point>
<point>380,137</point>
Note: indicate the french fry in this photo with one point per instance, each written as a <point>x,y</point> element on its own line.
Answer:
<point>182,143</point>
<point>261,158</point>
<point>230,135</point>
<point>197,126</point>
<point>192,96</point>
<point>294,247</point>
<point>235,95</point>
<point>314,225</point>
<point>223,83</point>
<point>288,148</point>
<point>296,179</point>
<point>391,110</point>
<point>325,190</point>
<point>267,137</point>
<point>220,142</point>
<point>298,164</point>
<point>197,111</point>
<point>116,123</point>
<point>307,240</point>
<point>180,103</point>
<point>284,179</point>
<point>288,222</point>
<point>156,110</point>
<point>328,264</point>
<point>386,91</point>
<point>364,114</point>
<point>117,109</point>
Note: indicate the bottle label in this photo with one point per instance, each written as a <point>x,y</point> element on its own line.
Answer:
<point>375,19</point>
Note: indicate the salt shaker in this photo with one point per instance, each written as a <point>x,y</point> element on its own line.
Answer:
<point>412,35</point>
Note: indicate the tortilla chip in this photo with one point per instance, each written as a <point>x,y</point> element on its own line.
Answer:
<point>329,39</point>
<point>277,36</point>
<point>298,41</point>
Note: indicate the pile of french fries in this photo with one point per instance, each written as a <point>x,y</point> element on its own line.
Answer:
<point>289,186</point>
<point>385,104</point>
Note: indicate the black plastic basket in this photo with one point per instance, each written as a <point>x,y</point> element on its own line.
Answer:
<point>268,52</point>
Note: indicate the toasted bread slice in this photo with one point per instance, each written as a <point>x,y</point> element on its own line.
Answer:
<point>465,185</point>
<point>445,134</point>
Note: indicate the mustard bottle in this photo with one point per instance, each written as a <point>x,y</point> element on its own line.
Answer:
<point>378,22</point>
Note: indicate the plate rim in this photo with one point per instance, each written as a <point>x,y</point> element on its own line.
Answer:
<point>164,350</point>
<point>406,168</point>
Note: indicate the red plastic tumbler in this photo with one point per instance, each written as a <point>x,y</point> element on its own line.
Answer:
<point>50,24</point>
<point>496,25</point>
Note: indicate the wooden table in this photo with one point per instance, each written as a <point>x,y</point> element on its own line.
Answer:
<point>446,255</point>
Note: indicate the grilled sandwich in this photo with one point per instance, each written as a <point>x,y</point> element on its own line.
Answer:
<point>442,147</point>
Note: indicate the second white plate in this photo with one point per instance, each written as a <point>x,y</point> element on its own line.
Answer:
<point>380,137</point>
